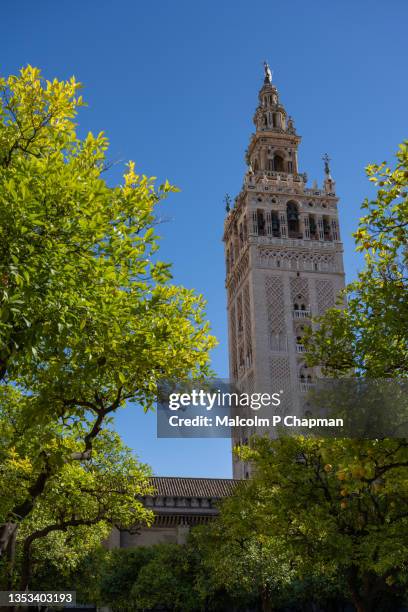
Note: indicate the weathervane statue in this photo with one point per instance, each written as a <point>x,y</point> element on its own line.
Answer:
<point>326,160</point>
<point>268,73</point>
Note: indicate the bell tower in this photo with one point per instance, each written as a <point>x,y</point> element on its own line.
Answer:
<point>284,262</point>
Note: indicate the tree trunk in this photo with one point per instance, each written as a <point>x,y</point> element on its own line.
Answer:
<point>368,591</point>
<point>360,601</point>
<point>25,566</point>
<point>9,533</point>
<point>6,535</point>
<point>266,604</point>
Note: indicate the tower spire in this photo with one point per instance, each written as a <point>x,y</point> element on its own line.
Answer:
<point>270,113</point>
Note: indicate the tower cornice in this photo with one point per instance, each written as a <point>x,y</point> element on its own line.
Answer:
<point>274,137</point>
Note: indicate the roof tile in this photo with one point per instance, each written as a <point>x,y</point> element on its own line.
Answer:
<point>175,486</point>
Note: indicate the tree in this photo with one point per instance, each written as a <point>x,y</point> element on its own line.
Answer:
<point>370,335</point>
<point>163,575</point>
<point>175,577</point>
<point>240,562</point>
<point>167,580</point>
<point>81,503</point>
<point>246,557</point>
<point>339,506</point>
<point>88,320</point>
<point>121,570</point>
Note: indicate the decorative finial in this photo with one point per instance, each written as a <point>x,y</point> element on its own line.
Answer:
<point>326,160</point>
<point>268,73</point>
<point>227,201</point>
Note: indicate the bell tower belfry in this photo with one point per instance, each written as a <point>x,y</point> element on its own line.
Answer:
<point>284,262</point>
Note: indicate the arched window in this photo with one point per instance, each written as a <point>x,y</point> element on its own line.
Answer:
<point>313,227</point>
<point>278,163</point>
<point>326,228</point>
<point>261,222</point>
<point>277,120</point>
<point>275,225</point>
<point>305,375</point>
<point>293,220</point>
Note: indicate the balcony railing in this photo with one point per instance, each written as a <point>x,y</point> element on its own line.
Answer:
<point>306,386</point>
<point>293,242</point>
<point>301,314</point>
<point>300,348</point>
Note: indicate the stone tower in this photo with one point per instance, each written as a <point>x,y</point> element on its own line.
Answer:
<point>284,261</point>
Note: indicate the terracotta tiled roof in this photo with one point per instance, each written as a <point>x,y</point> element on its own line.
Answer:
<point>174,486</point>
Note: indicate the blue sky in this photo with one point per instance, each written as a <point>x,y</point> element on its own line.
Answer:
<point>174,86</point>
